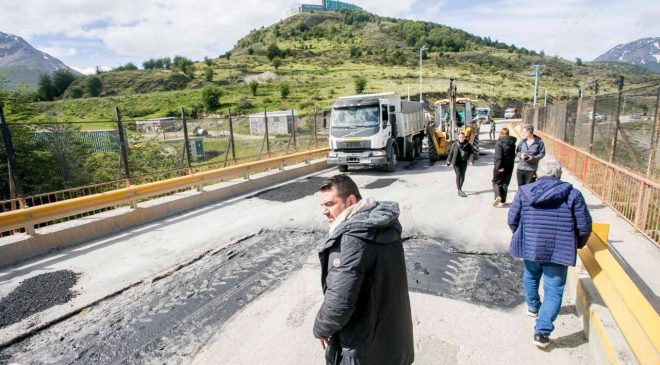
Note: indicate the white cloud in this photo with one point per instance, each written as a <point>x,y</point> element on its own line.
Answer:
<point>91,70</point>
<point>58,51</point>
<point>137,30</point>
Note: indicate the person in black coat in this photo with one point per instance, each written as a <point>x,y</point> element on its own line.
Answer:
<point>505,156</point>
<point>460,155</point>
<point>365,317</point>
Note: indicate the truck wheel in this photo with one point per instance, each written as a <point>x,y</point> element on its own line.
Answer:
<point>418,147</point>
<point>391,166</point>
<point>410,152</point>
<point>433,154</point>
<point>343,168</point>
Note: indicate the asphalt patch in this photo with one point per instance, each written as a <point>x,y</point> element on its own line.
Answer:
<point>37,294</point>
<point>292,191</point>
<point>380,183</point>
<point>490,280</point>
<point>169,320</point>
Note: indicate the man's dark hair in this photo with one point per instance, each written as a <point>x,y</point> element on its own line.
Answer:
<point>344,185</point>
<point>504,131</point>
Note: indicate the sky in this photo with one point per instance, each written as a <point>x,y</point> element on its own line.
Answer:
<point>85,34</point>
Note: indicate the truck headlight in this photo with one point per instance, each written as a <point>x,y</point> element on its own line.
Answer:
<point>378,153</point>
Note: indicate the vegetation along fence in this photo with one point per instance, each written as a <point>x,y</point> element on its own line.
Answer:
<point>43,163</point>
<point>610,143</point>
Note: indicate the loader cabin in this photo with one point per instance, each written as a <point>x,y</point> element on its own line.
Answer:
<point>463,110</point>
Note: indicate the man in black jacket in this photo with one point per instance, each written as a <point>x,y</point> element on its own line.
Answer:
<point>461,153</point>
<point>505,156</point>
<point>365,316</point>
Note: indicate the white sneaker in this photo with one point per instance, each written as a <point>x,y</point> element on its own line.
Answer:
<point>497,201</point>
<point>501,205</point>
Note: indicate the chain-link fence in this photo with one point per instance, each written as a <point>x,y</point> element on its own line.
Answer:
<point>63,160</point>
<point>621,128</point>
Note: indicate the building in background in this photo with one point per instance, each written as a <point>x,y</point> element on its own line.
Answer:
<point>326,5</point>
<point>279,122</point>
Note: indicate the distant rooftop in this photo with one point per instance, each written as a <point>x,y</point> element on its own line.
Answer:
<point>326,5</point>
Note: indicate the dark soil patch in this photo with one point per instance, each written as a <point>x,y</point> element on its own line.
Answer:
<point>380,183</point>
<point>491,280</point>
<point>292,191</point>
<point>37,294</point>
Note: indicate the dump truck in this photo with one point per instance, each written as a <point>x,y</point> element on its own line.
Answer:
<point>374,130</point>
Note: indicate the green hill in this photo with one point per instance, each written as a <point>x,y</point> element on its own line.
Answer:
<point>321,55</point>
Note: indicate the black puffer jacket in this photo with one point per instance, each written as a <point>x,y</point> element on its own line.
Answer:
<point>505,152</point>
<point>366,310</point>
<point>460,153</point>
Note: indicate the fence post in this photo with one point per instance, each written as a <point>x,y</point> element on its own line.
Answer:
<point>266,135</point>
<point>15,186</point>
<point>186,142</point>
<point>593,118</point>
<point>123,146</point>
<point>231,138</point>
<point>316,141</point>
<point>293,126</point>
<point>616,119</point>
<point>654,136</point>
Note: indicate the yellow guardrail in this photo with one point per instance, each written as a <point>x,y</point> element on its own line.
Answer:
<point>27,218</point>
<point>634,315</point>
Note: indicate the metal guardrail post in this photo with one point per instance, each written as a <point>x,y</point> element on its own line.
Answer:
<point>186,141</point>
<point>593,118</point>
<point>616,120</point>
<point>654,136</point>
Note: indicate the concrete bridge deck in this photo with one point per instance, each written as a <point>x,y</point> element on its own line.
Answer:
<point>237,281</point>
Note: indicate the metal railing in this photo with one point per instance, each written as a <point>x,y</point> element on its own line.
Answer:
<point>634,197</point>
<point>634,315</point>
<point>26,219</point>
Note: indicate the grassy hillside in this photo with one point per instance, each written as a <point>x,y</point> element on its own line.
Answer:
<point>321,55</point>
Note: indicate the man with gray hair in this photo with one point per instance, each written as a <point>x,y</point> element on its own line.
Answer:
<point>529,152</point>
<point>550,221</point>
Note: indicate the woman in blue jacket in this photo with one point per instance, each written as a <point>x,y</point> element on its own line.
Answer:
<point>550,221</point>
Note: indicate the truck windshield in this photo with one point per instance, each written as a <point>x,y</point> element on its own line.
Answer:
<point>482,113</point>
<point>353,117</point>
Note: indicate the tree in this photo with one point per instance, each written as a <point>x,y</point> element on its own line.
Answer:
<point>253,86</point>
<point>75,92</point>
<point>45,88</point>
<point>62,78</point>
<point>360,84</point>
<point>209,74</point>
<point>284,90</point>
<point>211,97</point>
<point>127,67</point>
<point>208,61</point>
<point>149,64</point>
<point>273,51</point>
<point>277,62</point>
<point>578,61</point>
<point>93,85</point>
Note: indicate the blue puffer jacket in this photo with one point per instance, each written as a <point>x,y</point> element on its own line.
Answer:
<point>549,220</point>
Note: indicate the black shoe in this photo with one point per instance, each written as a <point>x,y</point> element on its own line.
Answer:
<point>541,340</point>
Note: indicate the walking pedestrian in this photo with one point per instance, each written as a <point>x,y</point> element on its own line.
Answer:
<point>505,155</point>
<point>493,126</point>
<point>550,221</point>
<point>365,317</point>
<point>460,155</point>
<point>529,152</point>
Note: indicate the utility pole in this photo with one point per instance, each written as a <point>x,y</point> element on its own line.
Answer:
<point>421,99</point>
<point>537,69</point>
<point>408,92</point>
<point>545,102</point>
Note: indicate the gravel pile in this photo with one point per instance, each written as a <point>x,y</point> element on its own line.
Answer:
<point>292,191</point>
<point>380,183</point>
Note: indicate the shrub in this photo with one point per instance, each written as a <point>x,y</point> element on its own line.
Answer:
<point>211,97</point>
<point>360,84</point>
<point>285,90</point>
<point>253,87</point>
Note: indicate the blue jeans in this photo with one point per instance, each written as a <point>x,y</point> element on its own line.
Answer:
<point>554,280</point>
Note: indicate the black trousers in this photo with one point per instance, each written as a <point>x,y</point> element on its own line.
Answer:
<point>501,182</point>
<point>525,177</point>
<point>460,168</point>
